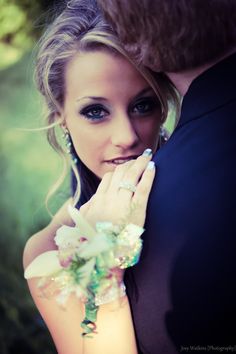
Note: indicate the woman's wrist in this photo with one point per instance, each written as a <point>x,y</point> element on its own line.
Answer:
<point>90,263</point>
<point>112,294</point>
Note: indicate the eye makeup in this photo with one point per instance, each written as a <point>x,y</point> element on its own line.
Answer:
<point>145,105</point>
<point>94,111</point>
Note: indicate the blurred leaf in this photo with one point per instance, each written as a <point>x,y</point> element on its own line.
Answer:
<point>12,18</point>
<point>21,23</point>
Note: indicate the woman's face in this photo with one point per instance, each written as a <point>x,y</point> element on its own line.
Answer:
<point>110,110</point>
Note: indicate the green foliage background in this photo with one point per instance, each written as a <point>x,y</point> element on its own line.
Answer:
<point>28,167</point>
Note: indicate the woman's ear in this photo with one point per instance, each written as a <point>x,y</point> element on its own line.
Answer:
<point>59,117</point>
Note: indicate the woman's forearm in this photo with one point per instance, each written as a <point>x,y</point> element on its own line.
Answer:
<point>115,331</point>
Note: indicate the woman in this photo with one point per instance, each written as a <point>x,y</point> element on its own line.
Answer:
<point>111,111</point>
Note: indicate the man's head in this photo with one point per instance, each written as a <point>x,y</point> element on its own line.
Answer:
<point>173,35</point>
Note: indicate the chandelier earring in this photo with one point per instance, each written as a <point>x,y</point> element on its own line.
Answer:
<point>69,146</point>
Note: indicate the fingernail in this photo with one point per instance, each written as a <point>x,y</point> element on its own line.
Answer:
<point>151,165</point>
<point>147,152</point>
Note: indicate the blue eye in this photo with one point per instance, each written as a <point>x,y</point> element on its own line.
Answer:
<point>145,105</point>
<point>94,112</point>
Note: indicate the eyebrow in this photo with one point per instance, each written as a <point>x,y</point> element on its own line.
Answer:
<point>91,98</point>
<point>142,92</point>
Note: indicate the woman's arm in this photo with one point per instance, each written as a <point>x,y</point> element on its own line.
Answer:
<point>63,324</point>
<point>115,333</point>
<point>114,322</point>
<point>115,330</point>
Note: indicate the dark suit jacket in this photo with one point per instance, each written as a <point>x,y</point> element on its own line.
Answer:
<point>186,292</point>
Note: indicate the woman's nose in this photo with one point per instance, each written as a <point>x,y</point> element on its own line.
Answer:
<point>123,132</point>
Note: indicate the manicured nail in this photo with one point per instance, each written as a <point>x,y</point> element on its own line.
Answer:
<point>147,152</point>
<point>151,165</point>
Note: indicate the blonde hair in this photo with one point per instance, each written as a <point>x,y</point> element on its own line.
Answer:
<point>80,27</point>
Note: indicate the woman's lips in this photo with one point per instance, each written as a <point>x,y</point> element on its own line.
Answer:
<point>120,160</point>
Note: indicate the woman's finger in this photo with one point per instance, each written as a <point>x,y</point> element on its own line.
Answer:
<point>132,176</point>
<point>141,195</point>
<point>105,183</point>
<point>118,176</point>
<point>85,207</point>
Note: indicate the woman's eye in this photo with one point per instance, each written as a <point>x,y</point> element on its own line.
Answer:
<point>145,106</point>
<point>95,112</point>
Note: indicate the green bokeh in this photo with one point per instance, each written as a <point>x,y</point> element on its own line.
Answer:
<point>28,167</point>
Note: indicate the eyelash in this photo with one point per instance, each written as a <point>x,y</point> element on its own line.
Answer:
<point>151,104</point>
<point>86,112</point>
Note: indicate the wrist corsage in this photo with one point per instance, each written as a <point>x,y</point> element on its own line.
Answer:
<point>85,263</point>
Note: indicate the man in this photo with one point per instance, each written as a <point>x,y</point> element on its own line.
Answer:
<point>186,298</point>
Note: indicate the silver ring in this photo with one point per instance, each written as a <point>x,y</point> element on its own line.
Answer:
<point>126,185</point>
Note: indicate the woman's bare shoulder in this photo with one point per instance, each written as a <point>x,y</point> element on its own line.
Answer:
<point>43,240</point>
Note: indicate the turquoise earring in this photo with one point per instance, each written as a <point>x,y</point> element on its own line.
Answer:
<point>69,146</point>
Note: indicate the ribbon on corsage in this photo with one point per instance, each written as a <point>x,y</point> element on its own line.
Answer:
<point>85,261</point>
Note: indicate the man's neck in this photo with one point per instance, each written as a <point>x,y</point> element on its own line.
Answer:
<point>183,79</point>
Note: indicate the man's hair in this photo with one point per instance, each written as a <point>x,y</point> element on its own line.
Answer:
<point>173,35</point>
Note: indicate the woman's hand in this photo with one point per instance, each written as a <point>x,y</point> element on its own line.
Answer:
<point>122,195</point>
